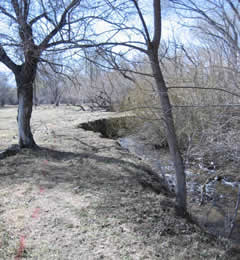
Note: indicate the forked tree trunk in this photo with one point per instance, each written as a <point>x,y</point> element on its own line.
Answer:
<point>25,104</point>
<point>181,203</point>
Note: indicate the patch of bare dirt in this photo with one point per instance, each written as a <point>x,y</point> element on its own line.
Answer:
<point>80,197</point>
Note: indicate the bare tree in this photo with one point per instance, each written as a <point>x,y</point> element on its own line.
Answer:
<point>149,45</point>
<point>33,29</point>
<point>152,52</point>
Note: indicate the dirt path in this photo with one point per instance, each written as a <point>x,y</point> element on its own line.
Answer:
<point>80,198</point>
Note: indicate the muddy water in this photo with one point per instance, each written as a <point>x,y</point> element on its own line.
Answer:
<point>217,211</point>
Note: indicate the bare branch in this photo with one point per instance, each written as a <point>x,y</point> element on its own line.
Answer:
<point>4,11</point>
<point>116,67</point>
<point>16,8</point>
<point>205,88</point>
<point>76,45</point>
<point>34,20</point>
<point>147,38</point>
<point>236,11</point>
<point>7,61</point>
<point>26,4</point>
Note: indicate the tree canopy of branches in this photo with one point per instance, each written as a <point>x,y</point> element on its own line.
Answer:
<point>217,21</point>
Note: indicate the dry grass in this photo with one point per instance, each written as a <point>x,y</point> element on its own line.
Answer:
<point>79,198</point>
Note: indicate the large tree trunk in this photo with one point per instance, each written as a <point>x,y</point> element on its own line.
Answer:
<point>25,80</point>
<point>181,204</point>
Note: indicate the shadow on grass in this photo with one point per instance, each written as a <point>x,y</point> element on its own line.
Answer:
<point>58,168</point>
<point>121,208</point>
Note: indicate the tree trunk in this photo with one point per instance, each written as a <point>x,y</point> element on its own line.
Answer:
<point>181,203</point>
<point>35,99</point>
<point>25,79</point>
<point>2,103</point>
<point>57,102</point>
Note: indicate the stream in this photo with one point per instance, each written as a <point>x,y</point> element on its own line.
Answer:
<point>157,159</point>
<point>220,197</point>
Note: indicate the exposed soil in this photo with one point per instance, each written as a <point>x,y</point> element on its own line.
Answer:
<point>84,197</point>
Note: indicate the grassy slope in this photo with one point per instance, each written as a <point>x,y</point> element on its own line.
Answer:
<point>80,198</point>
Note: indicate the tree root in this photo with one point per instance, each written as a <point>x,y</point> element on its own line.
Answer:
<point>10,151</point>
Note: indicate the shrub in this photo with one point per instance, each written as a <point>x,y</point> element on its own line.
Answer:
<point>204,131</point>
